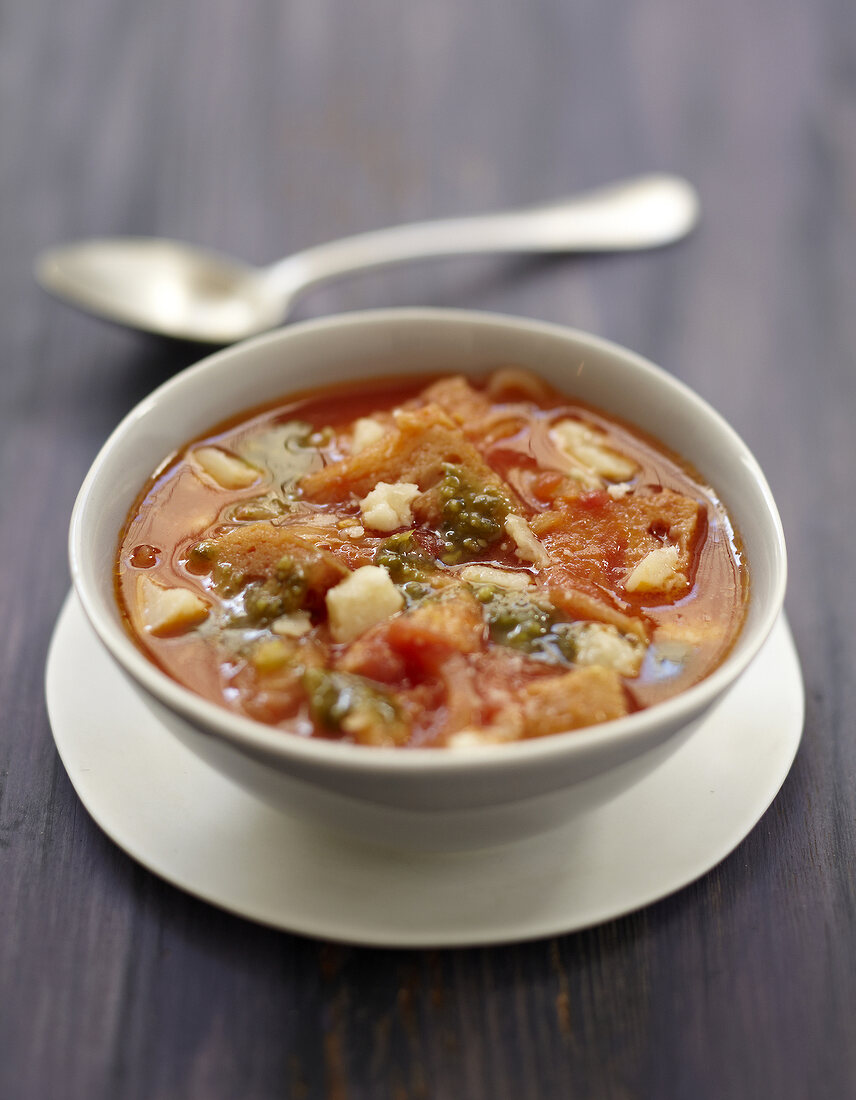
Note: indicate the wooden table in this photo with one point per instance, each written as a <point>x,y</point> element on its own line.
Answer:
<point>263,128</point>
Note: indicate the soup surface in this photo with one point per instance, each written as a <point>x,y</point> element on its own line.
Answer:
<point>433,561</point>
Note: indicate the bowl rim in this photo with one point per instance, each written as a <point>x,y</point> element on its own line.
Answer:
<point>247,733</point>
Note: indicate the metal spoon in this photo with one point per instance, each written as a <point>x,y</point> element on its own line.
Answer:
<point>180,290</point>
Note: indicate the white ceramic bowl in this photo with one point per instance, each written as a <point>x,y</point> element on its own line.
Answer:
<point>423,797</point>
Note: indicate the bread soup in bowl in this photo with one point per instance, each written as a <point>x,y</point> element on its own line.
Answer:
<point>431,578</point>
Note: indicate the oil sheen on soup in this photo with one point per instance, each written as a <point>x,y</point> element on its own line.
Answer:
<point>431,562</point>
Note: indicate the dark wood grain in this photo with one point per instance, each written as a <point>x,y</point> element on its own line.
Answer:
<point>260,128</point>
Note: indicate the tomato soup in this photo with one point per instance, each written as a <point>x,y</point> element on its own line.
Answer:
<point>436,561</point>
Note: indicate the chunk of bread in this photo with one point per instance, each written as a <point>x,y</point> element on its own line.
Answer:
<point>416,448</point>
<point>581,697</point>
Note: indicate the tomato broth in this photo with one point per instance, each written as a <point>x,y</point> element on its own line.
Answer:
<point>437,561</point>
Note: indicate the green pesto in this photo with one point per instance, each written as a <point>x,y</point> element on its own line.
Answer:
<point>403,558</point>
<point>280,594</point>
<point>269,506</point>
<point>335,696</point>
<point>202,556</point>
<point>531,626</point>
<point>473,515</point>
<point>416,591</point>
<point>228,580</point>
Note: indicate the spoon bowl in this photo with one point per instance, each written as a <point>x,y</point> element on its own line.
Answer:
<point>178,289</point>
<point>164,286</point>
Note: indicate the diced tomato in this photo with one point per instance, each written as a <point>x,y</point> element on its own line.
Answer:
<point>544,486</point>
<point>594,498</point>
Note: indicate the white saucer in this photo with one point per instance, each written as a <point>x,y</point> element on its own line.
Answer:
<point>196,829</point>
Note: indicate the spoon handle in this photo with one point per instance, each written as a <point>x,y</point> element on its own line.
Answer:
<point>641,213</point>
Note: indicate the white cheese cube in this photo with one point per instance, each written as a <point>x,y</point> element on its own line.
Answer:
<point>229,471</point>
<point>366,432</point>
<point>602,644</point>
<point>366,597</point>
<point>168,610</point>
<point>528,546</point>
<point>293,625</point>
<point>387,507</point>
<point>656,572</point>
